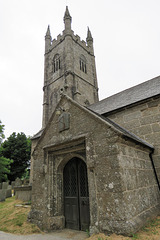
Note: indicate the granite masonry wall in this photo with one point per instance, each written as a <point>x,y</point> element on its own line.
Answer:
<point>142,119</point>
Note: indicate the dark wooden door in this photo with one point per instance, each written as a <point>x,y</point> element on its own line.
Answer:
<point>76,197</point>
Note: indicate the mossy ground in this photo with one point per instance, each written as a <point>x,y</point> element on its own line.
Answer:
<point>14,219</point>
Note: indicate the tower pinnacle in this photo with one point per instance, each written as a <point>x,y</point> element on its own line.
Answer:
<point>48,39</point>
<point>67,19</point>
<point>48,33</point>
<point>89,36</point>
<point>89,40</point>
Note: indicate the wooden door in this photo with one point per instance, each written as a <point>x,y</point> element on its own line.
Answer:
<point>76,197</point>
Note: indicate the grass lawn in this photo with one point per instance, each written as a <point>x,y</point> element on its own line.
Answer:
<point>14,219</point>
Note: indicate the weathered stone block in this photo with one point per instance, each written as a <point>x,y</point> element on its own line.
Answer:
<point>150,111</point>
<point>143,130</point>
<point>156,118</point>
<point>153,138</point>
<point>129,179</point>
<point>57,222</point>
<point>153,103</point>
<point>132,124</point>
<point>132,116</point>
<point>143,155</point>
<point>146,120</point>
<point>156,127</point>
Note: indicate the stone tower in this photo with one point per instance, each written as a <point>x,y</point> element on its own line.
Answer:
<point>69,69</point>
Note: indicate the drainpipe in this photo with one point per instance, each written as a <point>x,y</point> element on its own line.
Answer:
<point>154,169</point>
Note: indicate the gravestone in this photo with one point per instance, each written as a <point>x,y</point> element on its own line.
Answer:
<point>5,185</point>
<point>8,193</point>
<point>2,195</point>
<point>18,182</point>
<point>23,193</point>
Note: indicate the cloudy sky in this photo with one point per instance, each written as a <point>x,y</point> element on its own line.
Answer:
<point>126,42</point>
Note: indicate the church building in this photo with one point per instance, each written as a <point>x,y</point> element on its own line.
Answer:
<point>95,164</point>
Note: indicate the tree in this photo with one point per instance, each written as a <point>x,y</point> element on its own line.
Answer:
<point>4,162</point>
<point>1,132</point>
<point>18,148</point>
<point>4,168</point>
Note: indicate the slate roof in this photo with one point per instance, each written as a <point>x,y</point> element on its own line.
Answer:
<point>37,135</point>
<point>127,97</point>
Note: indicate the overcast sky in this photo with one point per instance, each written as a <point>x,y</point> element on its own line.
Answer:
<point>126,43</point>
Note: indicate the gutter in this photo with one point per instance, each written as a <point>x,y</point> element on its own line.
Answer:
<point>154,169</point>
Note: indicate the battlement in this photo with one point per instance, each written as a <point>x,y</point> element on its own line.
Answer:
<point>62,36</point>
<point>82,43</point>
<point>55,42</point>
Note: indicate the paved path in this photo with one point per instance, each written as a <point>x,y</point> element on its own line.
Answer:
<point>58,235</point>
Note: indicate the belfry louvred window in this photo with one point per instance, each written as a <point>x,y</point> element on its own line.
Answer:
<point>56,63</point>
<point>83,65</point>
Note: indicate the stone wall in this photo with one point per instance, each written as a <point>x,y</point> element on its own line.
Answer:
<point>142,119</point>
<point>140,193</point>
<point>116,172</point>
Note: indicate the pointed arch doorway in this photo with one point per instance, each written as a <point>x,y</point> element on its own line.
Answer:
<point>76,197</point>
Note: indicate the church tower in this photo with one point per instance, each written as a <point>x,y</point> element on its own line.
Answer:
<point>69,69</point>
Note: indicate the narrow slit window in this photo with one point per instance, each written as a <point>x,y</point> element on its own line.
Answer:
<point>54,67</point>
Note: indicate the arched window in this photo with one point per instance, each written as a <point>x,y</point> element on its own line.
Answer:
<point>83,64</point>
<point>56,63</point>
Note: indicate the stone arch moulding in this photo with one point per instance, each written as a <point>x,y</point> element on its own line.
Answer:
<point>83,58</point>
<point>68,157</point>
<point>57,156</point>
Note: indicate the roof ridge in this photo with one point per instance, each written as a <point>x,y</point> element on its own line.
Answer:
<point>125,90</point>
<point>128,96</point>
